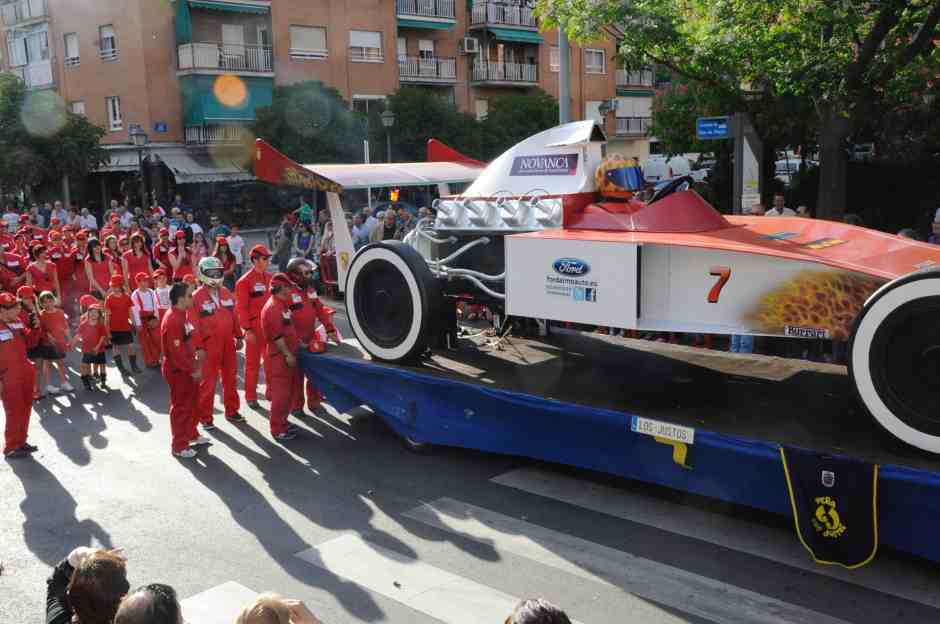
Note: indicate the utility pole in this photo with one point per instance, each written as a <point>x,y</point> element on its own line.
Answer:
<point>564,77</point>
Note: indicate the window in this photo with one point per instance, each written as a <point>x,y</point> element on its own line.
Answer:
<point>426,48</point>
<point>71,50</point>
<point>365,46</point>
<point>107,43</point>
<point>366,104</point>
<point>78,107</point>
<point>594,61</point>
<point>554,58</point>
<point>308,42</point>
<point>29,46</point>
<point>113,104</point>
<point>402,48</point>
<point>481,107</point>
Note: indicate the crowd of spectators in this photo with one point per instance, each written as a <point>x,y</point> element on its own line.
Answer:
<point>90,586</point>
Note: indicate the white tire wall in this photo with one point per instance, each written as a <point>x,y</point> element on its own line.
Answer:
<point>392,301</point>
<point>894,358</point>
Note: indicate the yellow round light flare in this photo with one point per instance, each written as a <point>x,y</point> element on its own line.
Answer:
<point>230,90</point>
<point>43,113</point>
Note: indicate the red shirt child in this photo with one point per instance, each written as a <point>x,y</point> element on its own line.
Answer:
<point>119,305</point>
<point>93,336</point>
<point>55,325</point>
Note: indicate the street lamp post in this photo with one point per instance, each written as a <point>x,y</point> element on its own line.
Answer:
<point>140,139</point>
<point>388,120</point>
<point>604,108</point>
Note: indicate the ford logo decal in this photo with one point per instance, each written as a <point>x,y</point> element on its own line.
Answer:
<point>571,266</point>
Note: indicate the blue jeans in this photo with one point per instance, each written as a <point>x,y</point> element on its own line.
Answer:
<point>742,344</point>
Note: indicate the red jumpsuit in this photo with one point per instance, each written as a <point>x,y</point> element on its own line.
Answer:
<point>213,315</point>
<point>176,337</point>
<point>285,382</point>
<point>145,314</point>
<point>18,376</point>
<point>306,310</point>
<point>251,293</point>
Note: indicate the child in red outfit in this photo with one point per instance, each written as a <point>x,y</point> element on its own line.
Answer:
<point>93,336</point>
<point>55,340</point>
<point>119,305</point>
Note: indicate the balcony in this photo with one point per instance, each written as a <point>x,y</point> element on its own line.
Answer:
<point>499,14</point>
<point>226,57</point>
<point>520,74</point>
<point>445,9</point>
<point>20,11</point>
<point>216,135</point>
<point>633,126</point>
<point>641,78</point>
<point>36,75</point>
<point>427,70</point>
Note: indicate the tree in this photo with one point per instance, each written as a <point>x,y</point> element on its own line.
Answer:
<point>421,114</point>
<point>512,118</point>
<point>848,58</point>
<point>41,140</point>
<point>311,123</point>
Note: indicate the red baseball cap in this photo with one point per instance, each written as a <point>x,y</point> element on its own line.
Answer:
<point>189,279</point>
<point>55,234</point>
<point>24,218</point>
<point>221,240</point>
<point>7,300</point>
<point>115,218</point>
<point>281,279</point>
<point>180,234</point>
<point>87,301</point>
<point>82,234</point>
<point>54,221</point>
<point>25,292</point>
<point>259,250</point>
<point>116,280</point>
<point>164,232</point>
<point>159,273</point>
<point>142,277</point>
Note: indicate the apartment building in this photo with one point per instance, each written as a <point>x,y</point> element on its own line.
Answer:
<point>191,74</point>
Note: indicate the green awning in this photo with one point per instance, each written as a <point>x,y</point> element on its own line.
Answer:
<point>518,36</point>
<point>426,24</point>
<point>235,7</point>
<point>634,92</point>
<point>201,106</point>
<point>184,24</point>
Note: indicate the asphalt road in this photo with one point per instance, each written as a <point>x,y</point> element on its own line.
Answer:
<point>364,531</point>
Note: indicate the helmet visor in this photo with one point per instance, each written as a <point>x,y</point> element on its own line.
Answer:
<point>213,273</point>
<point>627,178</point>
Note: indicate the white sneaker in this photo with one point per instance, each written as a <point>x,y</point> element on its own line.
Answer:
<point>67,387</point>
<point>201,441</point>
<point>185,454</point>
<point>50,389</point>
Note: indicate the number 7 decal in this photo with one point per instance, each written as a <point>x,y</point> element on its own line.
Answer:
<point>723,274</point>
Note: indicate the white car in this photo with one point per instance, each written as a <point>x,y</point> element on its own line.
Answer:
<point>660,167</point>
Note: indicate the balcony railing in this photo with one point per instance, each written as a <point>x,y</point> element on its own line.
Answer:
<point>215,134</point>
<point>633,126</point>
<point>494,71</point>
<point>483,13</point>
<point>108,54</point>
<point>35,75</point>
<point>427,8</point>
<point>411,69</point>
<point>641,78</point>
<point>22,10</point>
<point>226,57</point>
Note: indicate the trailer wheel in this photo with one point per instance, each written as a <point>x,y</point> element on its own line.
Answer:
<point>894,358</point>
<point>392,301</point>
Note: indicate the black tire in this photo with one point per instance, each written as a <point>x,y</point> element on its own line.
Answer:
<point>392,300</point>
<point>894,358</point>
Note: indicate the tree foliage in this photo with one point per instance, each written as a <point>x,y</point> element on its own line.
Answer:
<point>41,140</point>
<point>512,118</point>
<point>850,59</point>
<point>421,114</point>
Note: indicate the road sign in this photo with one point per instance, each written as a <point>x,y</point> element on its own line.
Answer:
<point>708,128</point>
<point>160,127</point>
<point>132,128</point>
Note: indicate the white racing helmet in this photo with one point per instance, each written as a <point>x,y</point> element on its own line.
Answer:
<point>210,271</point>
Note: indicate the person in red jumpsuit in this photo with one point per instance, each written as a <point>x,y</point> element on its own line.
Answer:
<point>181,371</point>
<point>145,313</point>
<point>17,376</point>
<point>213,316</point>
<point>306,310</point>
<point>281,370</point>
<point>251,293</point>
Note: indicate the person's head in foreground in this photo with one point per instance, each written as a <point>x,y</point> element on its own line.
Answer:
<point>97,586</point>
<point>272,609</point>
<point>537,611</point>
<point>152,604</point>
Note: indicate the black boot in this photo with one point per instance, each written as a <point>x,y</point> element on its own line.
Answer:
<point>103,381</point>
<point>119,362</point>
<point>86,381</point>
<point>134,364</point>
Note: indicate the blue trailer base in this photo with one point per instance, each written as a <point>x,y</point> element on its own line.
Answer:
<point>429,408</point>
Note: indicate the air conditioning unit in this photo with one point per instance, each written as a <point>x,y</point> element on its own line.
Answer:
<point>470,45</point>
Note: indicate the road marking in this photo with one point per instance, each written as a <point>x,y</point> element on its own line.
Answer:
<point>218,605</point>
<point>650,580</point>
<point>889,576</point>
<point>440,594</point>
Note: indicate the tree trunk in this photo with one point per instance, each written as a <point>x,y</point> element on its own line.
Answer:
<point>833,163</point>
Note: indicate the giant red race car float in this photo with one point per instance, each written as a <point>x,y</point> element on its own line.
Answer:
<point>552,229</point>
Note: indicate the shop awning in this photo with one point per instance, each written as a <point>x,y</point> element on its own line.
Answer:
<point>246,6</point>
<point>517,36</point>
<point>120,160</point>
<point>192,166</point>
<point>426,24</point>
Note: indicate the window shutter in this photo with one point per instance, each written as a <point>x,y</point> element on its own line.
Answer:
<point>71,46</point>
<point>365,39</point>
